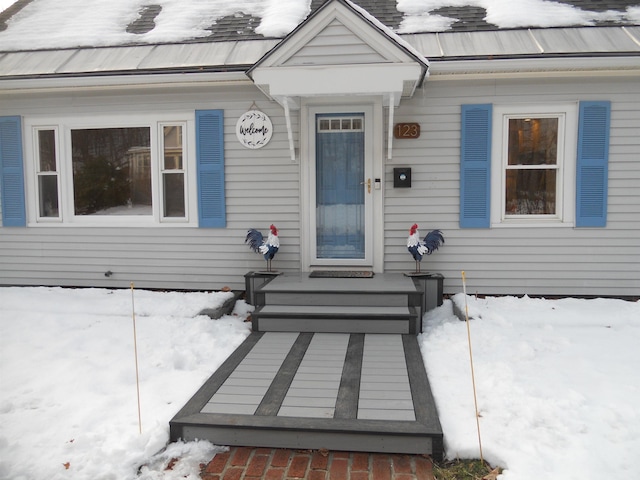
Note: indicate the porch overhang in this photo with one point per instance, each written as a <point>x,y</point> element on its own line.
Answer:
<point>391,81</point>
<point>340,50</point>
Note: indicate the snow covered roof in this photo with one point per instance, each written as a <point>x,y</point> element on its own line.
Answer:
<point>45,24</point>
<point>66,38</point>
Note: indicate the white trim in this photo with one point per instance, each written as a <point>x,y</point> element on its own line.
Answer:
<point>363,79</point>
<point>372,108</point>
<point>390,127</point>
<point>108,82</point>
<point>567,148</point>
<point>533,67</point>
<point>287,117</point>
<point>65,124</point>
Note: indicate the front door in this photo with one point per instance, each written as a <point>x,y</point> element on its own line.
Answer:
<point>340,192</point>
<point>341,187</point>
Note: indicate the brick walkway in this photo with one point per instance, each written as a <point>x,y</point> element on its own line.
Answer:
<point>241,463</point>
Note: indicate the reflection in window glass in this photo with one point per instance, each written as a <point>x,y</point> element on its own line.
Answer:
<point>47,174</point>
<point>532,166</point>
<point>47,151</point>
<point>48,191</point>
<point>172,147</point>
<point>339,124</point>
<point>533,141</point>
<point>173,184</point>
<point>531,192</point>
<point>112,171</point>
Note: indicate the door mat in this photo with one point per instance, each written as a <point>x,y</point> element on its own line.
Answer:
<point>340,274</point>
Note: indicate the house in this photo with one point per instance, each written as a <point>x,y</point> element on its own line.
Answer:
<point>139,144</point>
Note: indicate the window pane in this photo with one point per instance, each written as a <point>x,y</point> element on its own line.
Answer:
<point>47,150</point>
<point>533,141</point>
<point>112,171</point>
<point>531,192</point>
<point>48,195</point>
<point>172,147</point>
<point>173,184</point>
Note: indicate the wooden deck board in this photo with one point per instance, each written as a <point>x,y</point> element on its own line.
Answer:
<point>318,390</point>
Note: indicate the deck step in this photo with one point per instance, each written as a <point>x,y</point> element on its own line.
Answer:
<point>297,303</point>
<point>336,319</point>
<point>316,311</point>
<point>321,297</point>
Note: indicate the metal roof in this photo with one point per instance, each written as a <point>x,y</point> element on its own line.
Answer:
<point>540,43</point>
<point>233,45</point>
<point>238,56</point>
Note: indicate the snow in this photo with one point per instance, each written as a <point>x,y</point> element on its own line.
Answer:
<point>4,4</point>
<point>68,394</point>
<point>69,23</point>
<point>557,386</point>
<point>503,13</point>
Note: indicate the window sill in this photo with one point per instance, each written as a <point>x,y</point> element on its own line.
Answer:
<point>115,223</point>
<point>532,223</point>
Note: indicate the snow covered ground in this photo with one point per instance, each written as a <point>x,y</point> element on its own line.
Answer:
<point>557,382</point>
<point>68,401</point>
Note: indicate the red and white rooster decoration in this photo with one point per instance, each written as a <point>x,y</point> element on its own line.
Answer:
<point>418,247</point>
<point>267,248</point>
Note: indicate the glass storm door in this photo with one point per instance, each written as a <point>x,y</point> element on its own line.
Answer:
<point>341,187</point>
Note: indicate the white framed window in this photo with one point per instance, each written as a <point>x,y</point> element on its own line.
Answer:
<point>47,173</point>
<point>173,171</point>
<point>533,165</point>
<point>112,171</point>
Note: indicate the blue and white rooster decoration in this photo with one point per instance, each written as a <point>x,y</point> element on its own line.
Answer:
<point>418,247</point>
<point>267,248</point>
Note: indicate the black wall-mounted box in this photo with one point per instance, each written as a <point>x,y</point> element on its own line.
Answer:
<point>401,178</point>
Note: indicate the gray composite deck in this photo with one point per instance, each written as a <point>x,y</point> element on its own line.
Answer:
<point>353,387</point>
<point>358,392</point>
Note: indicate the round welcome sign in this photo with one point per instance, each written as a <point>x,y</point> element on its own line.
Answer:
<point>254,129</point>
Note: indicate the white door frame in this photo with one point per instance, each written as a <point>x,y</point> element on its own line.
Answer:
<point>374,249</point>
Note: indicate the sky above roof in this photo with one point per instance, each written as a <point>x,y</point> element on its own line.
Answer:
<point>43,24</point>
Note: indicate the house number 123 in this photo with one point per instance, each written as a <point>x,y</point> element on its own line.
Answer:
<point>406,130</point>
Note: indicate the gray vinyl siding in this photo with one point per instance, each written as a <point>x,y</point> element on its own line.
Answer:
<point>262,187</point>
<point>516,260</point>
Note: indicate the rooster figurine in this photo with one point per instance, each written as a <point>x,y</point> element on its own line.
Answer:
<point>417,247</point>
<point>267,248</point>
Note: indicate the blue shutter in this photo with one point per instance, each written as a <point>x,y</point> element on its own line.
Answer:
<point>592,164</point>
<point>210,160</point>
<point>475,166</point>
<point>12,172</point>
